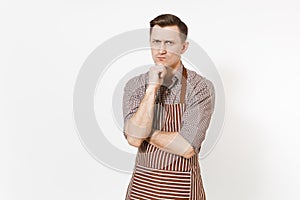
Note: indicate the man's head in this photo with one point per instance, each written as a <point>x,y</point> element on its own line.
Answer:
<point>168,40</point>
<point>170,20</point>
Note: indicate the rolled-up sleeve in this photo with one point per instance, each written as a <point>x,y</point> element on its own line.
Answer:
<point>199,109</point>
<point>133,93</point>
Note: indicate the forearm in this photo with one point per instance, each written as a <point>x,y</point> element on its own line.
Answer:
<point>171,142</point>
<point>139,126</point>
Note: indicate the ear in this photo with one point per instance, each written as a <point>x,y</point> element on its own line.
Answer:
<point>185,46</point>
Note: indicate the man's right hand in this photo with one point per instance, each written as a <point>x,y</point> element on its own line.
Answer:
<point>157,74</point>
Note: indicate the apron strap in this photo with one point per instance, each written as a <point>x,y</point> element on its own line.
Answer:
<point>183,85</point>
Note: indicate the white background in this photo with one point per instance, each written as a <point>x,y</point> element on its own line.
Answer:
<point>255,46</point>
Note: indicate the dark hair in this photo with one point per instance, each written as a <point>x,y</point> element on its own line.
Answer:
<point>170,20</point>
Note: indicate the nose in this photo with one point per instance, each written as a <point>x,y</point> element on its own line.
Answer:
<point>162,48</point>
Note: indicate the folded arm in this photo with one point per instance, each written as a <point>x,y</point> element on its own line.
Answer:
<point>171,142</point>
<point>138,115</point>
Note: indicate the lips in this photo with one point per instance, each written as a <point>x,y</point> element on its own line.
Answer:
<point>161,58</point>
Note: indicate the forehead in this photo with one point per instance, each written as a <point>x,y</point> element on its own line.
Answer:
<point>165,33</point>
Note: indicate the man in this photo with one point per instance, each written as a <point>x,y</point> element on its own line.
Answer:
<point>166,114</point>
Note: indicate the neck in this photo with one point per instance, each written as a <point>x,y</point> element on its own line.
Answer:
<point>171,70</point>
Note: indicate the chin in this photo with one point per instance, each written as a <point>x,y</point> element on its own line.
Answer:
<point>161,63</point>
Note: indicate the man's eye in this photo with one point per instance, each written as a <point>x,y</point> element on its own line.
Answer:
<point>156,41</point>
<point>169,43</point>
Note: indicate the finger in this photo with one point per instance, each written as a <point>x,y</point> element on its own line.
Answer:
<point>158,70</point>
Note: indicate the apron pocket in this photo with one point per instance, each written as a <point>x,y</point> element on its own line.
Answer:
<point>149,183</point>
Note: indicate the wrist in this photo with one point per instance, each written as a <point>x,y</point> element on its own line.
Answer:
<point>152,88</point>
<point>152,135</point>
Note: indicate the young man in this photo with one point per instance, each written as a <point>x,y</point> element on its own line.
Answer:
<point>166,114</point>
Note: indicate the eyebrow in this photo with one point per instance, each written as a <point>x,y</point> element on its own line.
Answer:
<point>168,40</point>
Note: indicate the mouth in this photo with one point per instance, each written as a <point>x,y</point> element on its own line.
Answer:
<point>161,58</point>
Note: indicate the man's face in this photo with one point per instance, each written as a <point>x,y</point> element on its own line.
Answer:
<point>167,46</point>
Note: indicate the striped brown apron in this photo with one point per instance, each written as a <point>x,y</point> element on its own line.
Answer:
<point>161,175</point>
